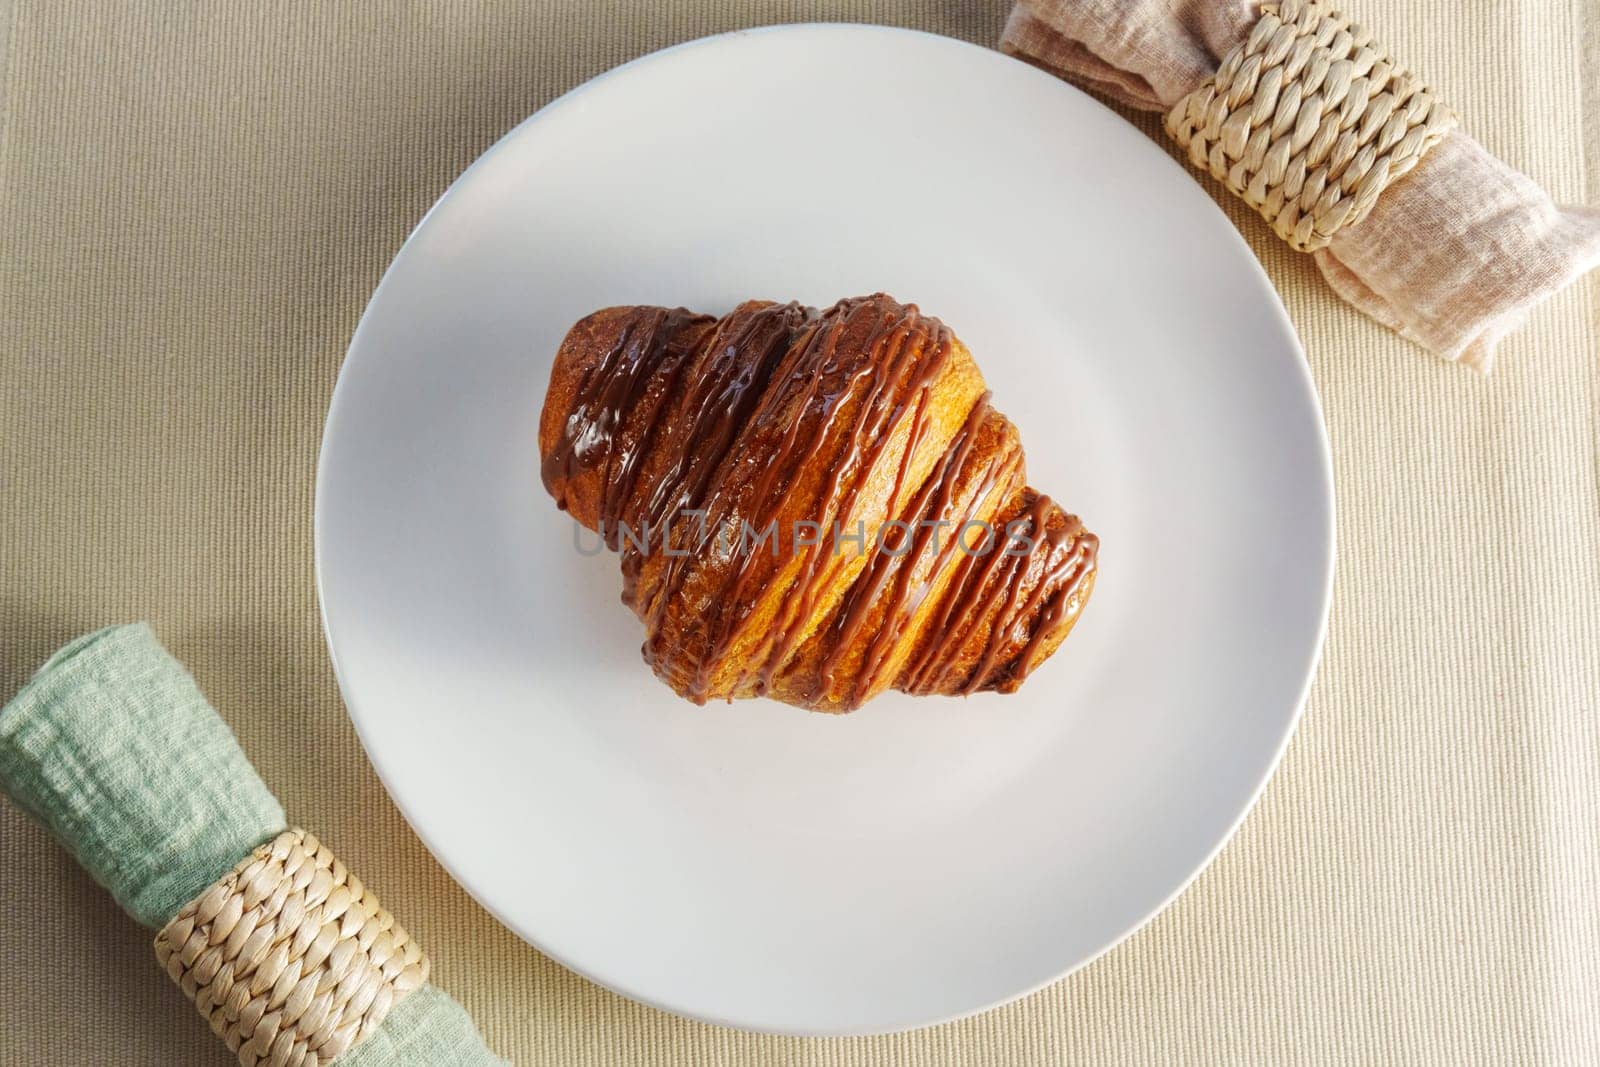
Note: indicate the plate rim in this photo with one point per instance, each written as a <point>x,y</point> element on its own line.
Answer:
<point>1303,378</point>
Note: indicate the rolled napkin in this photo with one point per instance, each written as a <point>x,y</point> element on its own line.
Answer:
<point>1304,114</point>
<point>112,746</point>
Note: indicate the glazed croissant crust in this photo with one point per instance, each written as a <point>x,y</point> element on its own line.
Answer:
<point>810,506</point>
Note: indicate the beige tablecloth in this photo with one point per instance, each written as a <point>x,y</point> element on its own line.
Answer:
<point>196,200</point>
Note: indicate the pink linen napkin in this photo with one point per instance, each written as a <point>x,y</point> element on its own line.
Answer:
<point>1453,255</point>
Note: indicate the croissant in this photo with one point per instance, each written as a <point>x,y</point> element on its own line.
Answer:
<point>810,506</point>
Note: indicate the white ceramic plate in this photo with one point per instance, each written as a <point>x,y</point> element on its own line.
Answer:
<point>754,864</point>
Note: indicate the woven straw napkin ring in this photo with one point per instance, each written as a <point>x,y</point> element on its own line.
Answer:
<point>1309,121</point>
<point>289,956</point>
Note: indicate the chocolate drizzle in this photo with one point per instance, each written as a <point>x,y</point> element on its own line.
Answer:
<point>594,433</point>
<point>778,417</point>
<point>898,368</point>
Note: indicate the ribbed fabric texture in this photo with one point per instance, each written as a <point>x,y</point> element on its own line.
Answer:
<point>113,747</point>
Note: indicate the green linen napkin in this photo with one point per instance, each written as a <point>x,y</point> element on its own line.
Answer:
<point>113,747</point>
